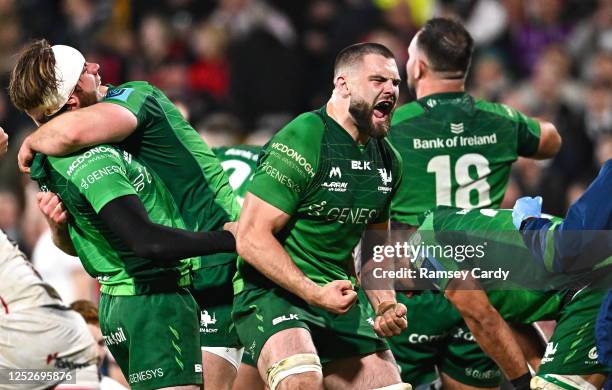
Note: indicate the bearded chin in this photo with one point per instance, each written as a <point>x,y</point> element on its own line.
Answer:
<point>362,114</point>
<point>380,131</point>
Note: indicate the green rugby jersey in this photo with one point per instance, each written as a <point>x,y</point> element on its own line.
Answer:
<point>332,188</point>
<point>530,294</point>
<point>239,163</point>
<point>88,180</point>
<point>166,143</point>
<point>457,151</point>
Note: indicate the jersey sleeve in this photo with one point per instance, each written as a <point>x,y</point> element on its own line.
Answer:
<point>99,174</point>
<point>288,163</point>
<point>128,97</point>
<point>528,133</point>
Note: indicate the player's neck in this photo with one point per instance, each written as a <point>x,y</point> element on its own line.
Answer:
<point>338,109</point>
<point>433,86</point>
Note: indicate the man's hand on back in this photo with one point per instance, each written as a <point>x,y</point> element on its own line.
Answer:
<point>25,156</point>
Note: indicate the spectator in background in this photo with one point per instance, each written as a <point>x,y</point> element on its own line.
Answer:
<point>242,17</point>
<point>84,19</point>
<point>592,35</point>
<point>266,75</point>
<point>220,129</point>
<point>65,273</point>
<point>551,94</point>
<point>490,80</point>
<point>32,223</point>
<point>262,43</point>
<point>10,34</point>
<point>603,152</point>
<point>598,108</point>
<point>600,70</point>
<point>209,74</point>
<point>9,214</point>
<point>486,20</point>
<point>162,56</point>
<point>317,44</point>
<point>541,27</point>
<point>405,17</point>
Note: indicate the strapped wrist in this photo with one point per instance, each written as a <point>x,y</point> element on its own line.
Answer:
<point>385,306</point>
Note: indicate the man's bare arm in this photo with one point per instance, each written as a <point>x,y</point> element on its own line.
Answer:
<point>57,219</point>
<point>75,130</point>
<point>550,141</point>
<point>390,315</point>
<point>490,330</point>
<point>258,246</point>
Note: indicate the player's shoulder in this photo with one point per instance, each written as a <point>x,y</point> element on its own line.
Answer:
<point>406,112</point>
<point>142,86</point>
<point>67,165</point>
<point>306,129</point>
<point>305,122</point>
<point>129,91</point>
<point>500,110</point>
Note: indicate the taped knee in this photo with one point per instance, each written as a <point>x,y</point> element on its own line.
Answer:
<point>560,382</point>
<point>397,386</point>
<point>295,364</point>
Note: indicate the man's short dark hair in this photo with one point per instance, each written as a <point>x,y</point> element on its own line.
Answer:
<point>351,54</point>
<point>447,45</point>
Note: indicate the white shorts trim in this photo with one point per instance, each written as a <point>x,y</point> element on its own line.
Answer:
<point>232,355</point>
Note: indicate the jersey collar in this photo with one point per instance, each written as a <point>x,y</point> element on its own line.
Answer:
<point>430,101</point>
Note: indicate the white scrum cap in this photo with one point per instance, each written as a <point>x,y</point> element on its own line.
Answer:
<point>69,63</point>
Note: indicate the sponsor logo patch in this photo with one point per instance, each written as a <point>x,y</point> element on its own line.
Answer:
<point>116,337</point>
<point>119,94</point>
<point>456,128</point>
<point>284,318</point>
<point>206,320</point>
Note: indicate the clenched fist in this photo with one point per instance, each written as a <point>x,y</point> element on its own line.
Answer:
<point>336,297</point>
<point>53,210</point>
<point>390,319</point>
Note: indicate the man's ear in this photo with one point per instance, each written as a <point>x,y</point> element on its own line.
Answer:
<point>341,85</point>
<point>421,69</point>
<point>73,102</point>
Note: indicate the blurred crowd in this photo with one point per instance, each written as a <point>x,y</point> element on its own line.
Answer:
<point>240,69</point>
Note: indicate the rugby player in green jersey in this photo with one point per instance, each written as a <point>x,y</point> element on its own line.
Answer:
<point>320,182</point>
<point>570,360</point>
<point>108,193</point>
<point>458,151</point>
<point>239,163</point>
<point>141,120</point>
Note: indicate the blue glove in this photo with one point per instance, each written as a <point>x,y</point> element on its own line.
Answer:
<point>526,207</point>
